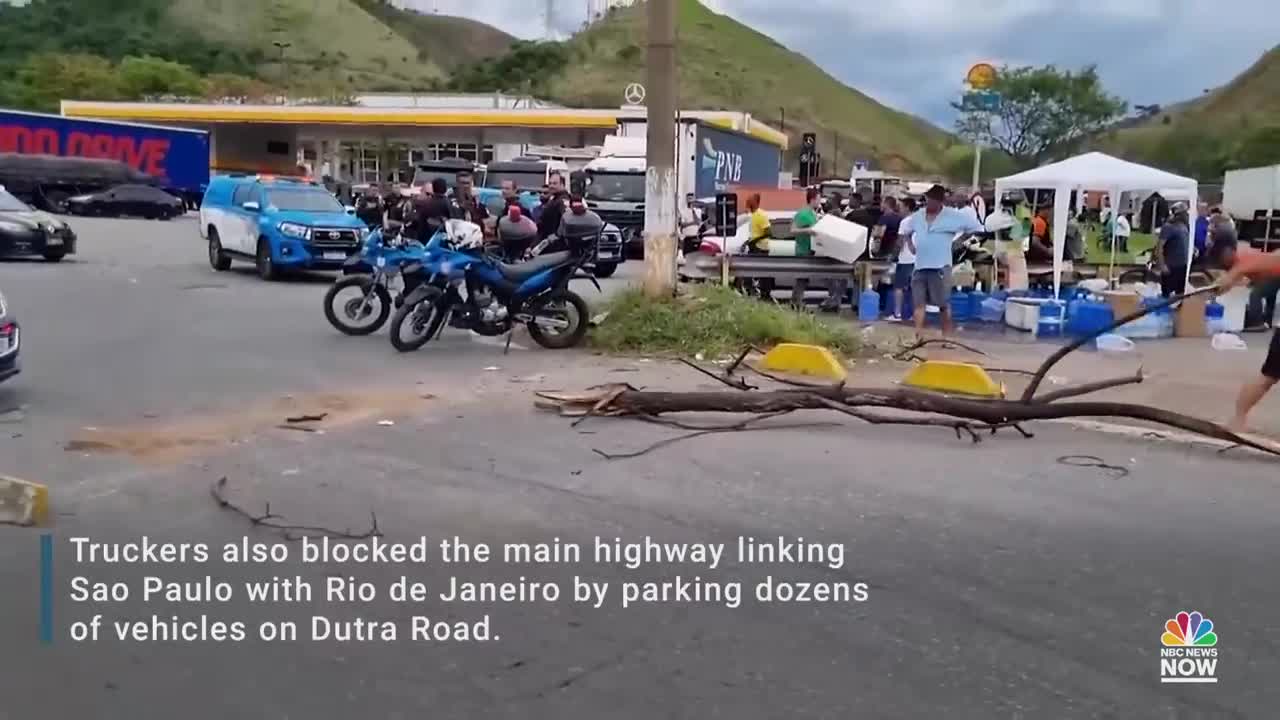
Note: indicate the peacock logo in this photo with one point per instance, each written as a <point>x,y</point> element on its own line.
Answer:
<point>1189,629</point>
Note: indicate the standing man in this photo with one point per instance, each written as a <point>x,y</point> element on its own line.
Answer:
<point>1257,267</point>
<point>859,215</point>
<point>887,227</point>
<point>905,264</point>
<point>469,208</point>
<point>801,226</point>
<point>1171,253</point>
<point>689,224</point>
<point>1040,249</point>
<point>553,207</point>
<point>933,230</point>
<point>431,210</point>
<point>1202,230</point>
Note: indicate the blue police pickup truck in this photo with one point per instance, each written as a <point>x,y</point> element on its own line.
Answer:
<point>279,224</point>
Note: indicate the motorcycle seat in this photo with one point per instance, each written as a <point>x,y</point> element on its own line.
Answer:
<point>516,272</point>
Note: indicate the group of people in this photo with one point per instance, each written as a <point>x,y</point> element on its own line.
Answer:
<point>918,239</point>
<point>515,232</point>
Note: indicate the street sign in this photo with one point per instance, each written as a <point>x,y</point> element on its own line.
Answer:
<point>981,101</point>
<point>982,76</point>
<point>634,94</point>
<point>726,217</point>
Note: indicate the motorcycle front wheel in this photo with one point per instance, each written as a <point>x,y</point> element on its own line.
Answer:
<point>560,320</point>
<point>415,324</point>
<point>361,312</point>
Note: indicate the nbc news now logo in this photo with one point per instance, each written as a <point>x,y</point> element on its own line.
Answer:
<point>1190,652</point>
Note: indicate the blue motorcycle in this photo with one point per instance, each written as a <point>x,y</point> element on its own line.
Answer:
<point>499,295</point>
<point>360,302</point>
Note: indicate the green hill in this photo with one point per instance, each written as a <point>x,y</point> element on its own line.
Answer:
<point>1236,125</point>
<point>332,45</point>
<point>727,65</point>
<point>447,41</point>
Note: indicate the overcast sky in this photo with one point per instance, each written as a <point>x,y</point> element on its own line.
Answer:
<point>912,54</point>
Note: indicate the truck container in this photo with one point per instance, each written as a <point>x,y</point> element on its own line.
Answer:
<point>1251,197</point>
<point>175,159</point>
<point>708,160</point>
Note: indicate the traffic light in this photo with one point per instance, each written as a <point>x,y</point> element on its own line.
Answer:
<point>810,159</point>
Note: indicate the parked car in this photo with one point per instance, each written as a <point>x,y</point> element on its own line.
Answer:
<point>27,231</point>
<point>278,224</point>
<point>134,200</point>
<point>9,341</point>
<point>781,244</point>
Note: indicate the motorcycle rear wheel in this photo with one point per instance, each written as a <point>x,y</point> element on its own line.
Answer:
<point>379,302</point>
<point>561,304</point>
<point>423,319</point>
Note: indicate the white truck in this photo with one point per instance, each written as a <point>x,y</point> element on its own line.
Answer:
<point>1251,197</point>
<point>708,160</point>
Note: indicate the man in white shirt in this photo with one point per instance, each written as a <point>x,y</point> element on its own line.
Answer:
<point>1122,230</point>
<point>906,260</point>
<point>689,224</point>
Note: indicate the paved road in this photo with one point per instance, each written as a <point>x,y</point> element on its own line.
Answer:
<point>1001,583</point>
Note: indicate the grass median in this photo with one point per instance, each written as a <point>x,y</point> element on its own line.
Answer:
<point>714,321</point>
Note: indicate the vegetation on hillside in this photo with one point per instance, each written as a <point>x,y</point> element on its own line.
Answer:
<point>450,42</point>
<point>724,65</point>
<point>1237,125</point>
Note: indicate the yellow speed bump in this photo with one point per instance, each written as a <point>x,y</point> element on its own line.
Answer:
<point>22,502</point>
<point>804,360</point>
<point>953,377</point>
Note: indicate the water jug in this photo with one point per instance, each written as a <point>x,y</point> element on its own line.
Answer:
<point>869,306</point>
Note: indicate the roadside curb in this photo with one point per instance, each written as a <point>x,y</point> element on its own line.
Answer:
<point>23,502</point>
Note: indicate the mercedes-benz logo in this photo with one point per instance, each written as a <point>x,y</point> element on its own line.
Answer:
<point>634,94</point>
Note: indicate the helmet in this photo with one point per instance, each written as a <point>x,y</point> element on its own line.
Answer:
<point>464,235</point>
<point>998,221</point>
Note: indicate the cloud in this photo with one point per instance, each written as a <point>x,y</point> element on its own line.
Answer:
<point>912,54</point>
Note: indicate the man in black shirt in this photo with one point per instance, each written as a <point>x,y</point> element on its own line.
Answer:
<point>467,206</point>
<point>553,209</point>
<point>432,209</point>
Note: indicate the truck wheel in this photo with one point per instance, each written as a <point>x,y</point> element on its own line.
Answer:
<point>54,255</point>
<point>266,269</point>
<point>604,270</point>
<point>218,258</point>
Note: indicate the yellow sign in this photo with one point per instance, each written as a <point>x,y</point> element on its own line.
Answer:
<point>981,76</point>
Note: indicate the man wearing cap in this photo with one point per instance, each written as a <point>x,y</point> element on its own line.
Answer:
<point>933,230</point>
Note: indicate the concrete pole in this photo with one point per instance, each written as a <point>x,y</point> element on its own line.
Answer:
<point>660,177</point>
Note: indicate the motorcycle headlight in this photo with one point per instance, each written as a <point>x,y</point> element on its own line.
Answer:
<point>294,230</point>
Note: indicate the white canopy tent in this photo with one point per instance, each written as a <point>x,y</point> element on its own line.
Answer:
<point>1097,172</point>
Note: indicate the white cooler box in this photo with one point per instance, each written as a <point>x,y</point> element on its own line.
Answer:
<point>1023,313</point>
<point>837,238</point>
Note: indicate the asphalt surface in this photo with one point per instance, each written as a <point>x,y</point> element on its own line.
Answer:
<point>1001,582</point>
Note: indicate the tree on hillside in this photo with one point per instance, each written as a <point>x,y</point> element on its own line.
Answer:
<point>1043,110</point>
<point>48,78</point>
<point>1260,147</point>
<point>141,77</point>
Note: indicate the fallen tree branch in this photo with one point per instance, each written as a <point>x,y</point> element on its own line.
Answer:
<point>735,383</point>
<point>958,425</point>
<point>1065,350</point>
<point>291,532</point>
<point>742,426</point>
<point>987,412</point>
<point>906,352</point>
<point>1086,388</point>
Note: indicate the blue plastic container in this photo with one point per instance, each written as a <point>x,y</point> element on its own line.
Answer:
<point>868,305</point>
<point>1087,317</point>
<point>1051,319</point>
<point>961,306</point>
<point>1214,311</point>
<point>992,310</point>
<point>976,298</point>
<point>1150,301</point>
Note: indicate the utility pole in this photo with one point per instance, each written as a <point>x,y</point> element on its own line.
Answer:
<point>660,176</point>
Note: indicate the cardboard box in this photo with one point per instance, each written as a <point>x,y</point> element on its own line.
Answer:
<point>1190,321</point>
<point>1123,303</point>
<point>838,238</point>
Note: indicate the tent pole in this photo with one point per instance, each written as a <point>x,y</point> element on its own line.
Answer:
<point>1115,215</point>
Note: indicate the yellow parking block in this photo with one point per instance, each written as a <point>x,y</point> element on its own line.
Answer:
<point>804,360</point>
<point>22,502</point>
<point>953,377</point>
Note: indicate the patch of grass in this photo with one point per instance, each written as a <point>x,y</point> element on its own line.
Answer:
<point>711,320</point>
<point>1139,243</point>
